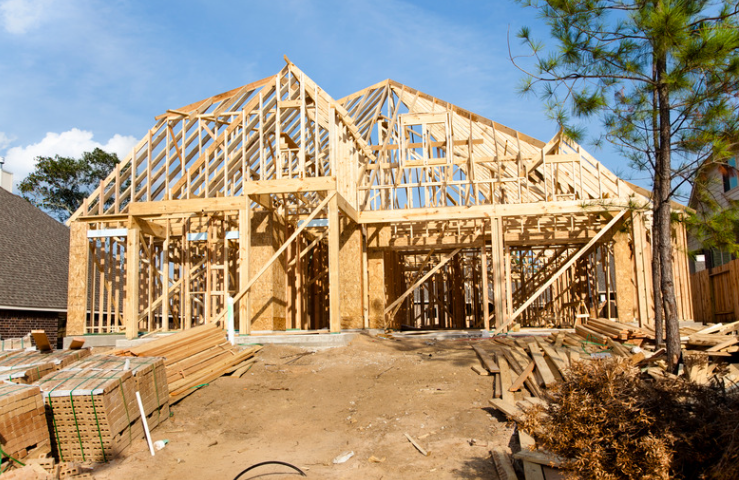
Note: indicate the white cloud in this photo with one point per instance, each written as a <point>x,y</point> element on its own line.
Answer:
<point>20,16</point>
<point>72,143</point>
<point>5,140</point>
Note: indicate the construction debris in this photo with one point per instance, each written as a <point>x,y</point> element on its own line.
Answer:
<point>532,371</point>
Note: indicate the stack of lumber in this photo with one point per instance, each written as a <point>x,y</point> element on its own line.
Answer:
<point>14,344</point>
<point>93,414</point>
<point>29,366</point>
<point>602,328</point>
<point>194,357</point>
<point>22,420</point>
<point>720,340</point>
<point>150,378</point>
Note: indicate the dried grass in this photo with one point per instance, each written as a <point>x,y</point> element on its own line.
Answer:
<point>612,422</point>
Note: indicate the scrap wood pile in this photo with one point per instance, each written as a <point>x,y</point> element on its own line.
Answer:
<point>195,357</point>
<point>533,377</point>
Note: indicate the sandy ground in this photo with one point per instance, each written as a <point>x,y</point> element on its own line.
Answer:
<point>307,407</point>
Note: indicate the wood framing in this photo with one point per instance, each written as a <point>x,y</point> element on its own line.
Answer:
<point>388,208</point>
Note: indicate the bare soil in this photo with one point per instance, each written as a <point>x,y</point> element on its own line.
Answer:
<point>307,407</point>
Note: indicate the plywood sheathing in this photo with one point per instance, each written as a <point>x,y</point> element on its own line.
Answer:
<point>350,275</point>
<point>267,296</point>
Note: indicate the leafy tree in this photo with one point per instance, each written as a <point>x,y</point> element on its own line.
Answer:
<point>662,76</point>
<point>59,185</point>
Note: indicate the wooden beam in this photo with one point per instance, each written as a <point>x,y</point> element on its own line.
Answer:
<point>347,208</point>
<point>131,300</point>
<point>289,185</point>
<point>150,228</point>
<point>485,296</point>
<point>334,286</point>
<point>485,211</point>
<point>183,206</point>
<point>499,280</point>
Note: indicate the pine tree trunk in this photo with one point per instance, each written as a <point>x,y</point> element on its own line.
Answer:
<point>662,216</point>
<point>656,265</point>
<point>659,333</point>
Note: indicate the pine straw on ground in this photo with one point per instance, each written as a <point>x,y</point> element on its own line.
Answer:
<point>613,422</point>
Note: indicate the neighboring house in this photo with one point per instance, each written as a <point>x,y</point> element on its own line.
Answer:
<point>34,260</point>
<point>723,186</point>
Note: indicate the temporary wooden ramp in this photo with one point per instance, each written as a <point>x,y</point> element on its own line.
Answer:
<point>386,208</point>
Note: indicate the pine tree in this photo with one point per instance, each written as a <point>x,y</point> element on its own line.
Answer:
<point>662,76</point>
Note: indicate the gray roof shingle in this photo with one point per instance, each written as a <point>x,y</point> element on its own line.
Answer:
<point>34,256</point>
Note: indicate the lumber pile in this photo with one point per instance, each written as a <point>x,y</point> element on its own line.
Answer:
<point>194,357</point>
<point>29,366</point>
<point>150,379</point>
<point>8,345</point>
<point>22,420</point>
<point>92,414</point>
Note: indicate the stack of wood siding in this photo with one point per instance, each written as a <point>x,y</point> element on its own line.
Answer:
<point>150,379</point>
<point>93,414</point>
<point>22,420</point>
<point>30,366</point>
<point>194,357</point>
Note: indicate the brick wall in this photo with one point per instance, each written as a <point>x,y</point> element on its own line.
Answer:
<point>17,323</point>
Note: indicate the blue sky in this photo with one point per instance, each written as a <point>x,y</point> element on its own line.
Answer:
<point>80,74</point>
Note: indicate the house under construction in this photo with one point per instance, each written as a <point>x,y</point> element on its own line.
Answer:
<point>384,209</point>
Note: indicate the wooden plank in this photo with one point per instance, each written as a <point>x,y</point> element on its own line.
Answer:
<point>532,471</point>
<point>518,382</point>
<point>541,365</point>
<point>558,362</point>
<point>503,465</point>
<point>41,340</point>
<point>507,408</point>
<point>505,381</point>
<point>539,456</point>
<point>485,359</point>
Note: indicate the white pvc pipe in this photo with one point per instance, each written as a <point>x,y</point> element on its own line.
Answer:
<point>146,425</point>
<point>230,320</point>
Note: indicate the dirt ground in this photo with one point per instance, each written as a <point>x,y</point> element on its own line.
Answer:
<point>309,406</point>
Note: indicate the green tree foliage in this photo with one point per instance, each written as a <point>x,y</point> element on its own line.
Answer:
<point>59,185</point>
<point>662,76</point>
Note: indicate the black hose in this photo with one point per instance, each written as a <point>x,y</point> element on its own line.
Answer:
<point>272,462</point>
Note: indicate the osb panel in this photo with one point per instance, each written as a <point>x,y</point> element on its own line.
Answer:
<point>350,275</point>
<point>77,289</point>
<point>625,282</point>
<point>376,287</point>
<point>267,295</point>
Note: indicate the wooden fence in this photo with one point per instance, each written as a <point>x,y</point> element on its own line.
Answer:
<point>716,294</point>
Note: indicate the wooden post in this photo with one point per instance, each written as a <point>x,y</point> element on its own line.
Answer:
<point>498,256</point>
<point>485,297</point>
<point>132,281</point>
<point>244,246</point>
<point>165,287</point>
<point>333,265</point>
